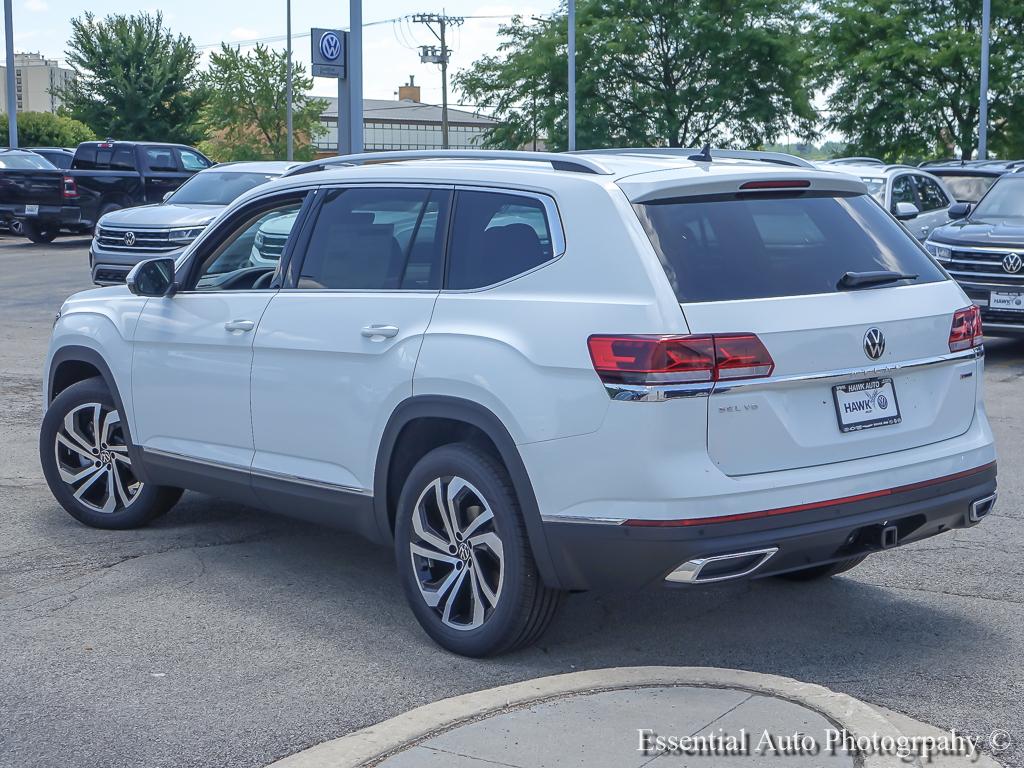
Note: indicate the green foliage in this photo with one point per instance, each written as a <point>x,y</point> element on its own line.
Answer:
<point>650,72</point>
<point>135,80</point>
<point>902,78</point>
<point>42,129</point>
<point>245,115</point>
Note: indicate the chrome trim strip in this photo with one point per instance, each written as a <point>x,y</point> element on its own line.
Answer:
<point>980,248</point>
<point>1019,276</point>
<point>689,572</point>
<point>258,472</point>
<point>580,519</point>
<point>634,393</point>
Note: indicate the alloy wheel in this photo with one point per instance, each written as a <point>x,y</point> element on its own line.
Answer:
<point>92,459</point>
<point>457,554</point>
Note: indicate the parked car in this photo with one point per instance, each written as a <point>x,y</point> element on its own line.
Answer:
<point>915,197</point>
<point>532,373</point>
<point>970,180</point>
<point>106,176</point>
<point>61,157</point>
<point>983,249</point>
<point>32,192</point>
<point>125,237</point>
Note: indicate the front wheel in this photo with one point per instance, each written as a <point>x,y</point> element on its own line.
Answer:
<point>84,450</point>
<point>463,555</point>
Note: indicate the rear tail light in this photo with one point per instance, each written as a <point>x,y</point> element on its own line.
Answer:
<point>679,359</point>
<point>966,330</point>
<point>70,188</point>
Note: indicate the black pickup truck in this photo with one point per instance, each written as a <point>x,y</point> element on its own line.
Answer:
<point>104,176</point>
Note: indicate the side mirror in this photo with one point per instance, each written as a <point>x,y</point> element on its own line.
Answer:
<point>153,277</point>
<point>905,211</point>
<point>959,211</point>
<point>167,195</point>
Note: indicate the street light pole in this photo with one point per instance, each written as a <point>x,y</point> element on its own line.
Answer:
<point>355,74</point>
<point>986,24</point>
<point>12,98</point>
<point>288,88</point>
<point>572,75</point>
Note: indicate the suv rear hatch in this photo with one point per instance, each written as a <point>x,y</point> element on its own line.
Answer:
<point>859,370</point>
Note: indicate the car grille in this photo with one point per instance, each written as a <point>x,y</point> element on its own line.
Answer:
<point>270,246</point>
<point>984,265</point>
<point>145,240</point>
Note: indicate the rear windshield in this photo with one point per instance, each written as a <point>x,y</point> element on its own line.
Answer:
<point>968,189</point>
<point>218,187</point>
<point>746,247</point>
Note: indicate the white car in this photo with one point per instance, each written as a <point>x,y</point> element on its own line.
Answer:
<point>535,373</point>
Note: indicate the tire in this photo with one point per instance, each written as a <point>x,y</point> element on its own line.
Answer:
<point>39,234</point>
<point>823,571</point>
<point>476,595</point>
<point>84,450</point>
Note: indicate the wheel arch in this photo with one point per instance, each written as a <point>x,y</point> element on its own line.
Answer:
<point>459,420</point>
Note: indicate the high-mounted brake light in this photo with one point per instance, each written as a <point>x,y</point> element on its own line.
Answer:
<point>966,330</point>
<point>777,184</point>
<point>70,188</point>
<point>679,359</point>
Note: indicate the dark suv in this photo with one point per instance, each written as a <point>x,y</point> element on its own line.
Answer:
<point>983,248</point>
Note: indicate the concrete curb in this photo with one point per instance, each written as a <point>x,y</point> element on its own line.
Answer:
<point>380,740</point>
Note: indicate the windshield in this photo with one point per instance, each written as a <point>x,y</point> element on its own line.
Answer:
<point>30,162</point>
<point>751,246</point>
<point>1004,201</point>
<point>217,187</point>
<point>876,187</point>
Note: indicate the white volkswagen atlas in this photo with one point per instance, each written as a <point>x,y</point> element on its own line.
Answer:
<point>533,373</point>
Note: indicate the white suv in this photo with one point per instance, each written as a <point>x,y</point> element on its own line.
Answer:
<point>535,373</point>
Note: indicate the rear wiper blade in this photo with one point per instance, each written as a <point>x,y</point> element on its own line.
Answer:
<point>861,279</point>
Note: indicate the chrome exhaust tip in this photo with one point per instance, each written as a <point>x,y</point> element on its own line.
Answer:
<point>703,570</point>
<point>981,507</point>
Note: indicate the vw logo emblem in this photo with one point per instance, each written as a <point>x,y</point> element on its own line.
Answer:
<point>874,343</point>
<point>1013,263</point>
<point>330,46</point>
<point>129,239</point>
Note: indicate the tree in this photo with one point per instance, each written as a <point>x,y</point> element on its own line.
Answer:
<point>42,129</point>
<point>902,78</point>
<point>245,115</point>
<point>651,72</point>
<point>134,79</point>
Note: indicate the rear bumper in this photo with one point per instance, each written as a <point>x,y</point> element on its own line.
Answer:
<point>598,555</point>
<point>63,215</point>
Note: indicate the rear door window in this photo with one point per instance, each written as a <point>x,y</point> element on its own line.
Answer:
<point>161,159</point>
<point>496,236</point>
<point>745,247</point>
<point>903,191</point>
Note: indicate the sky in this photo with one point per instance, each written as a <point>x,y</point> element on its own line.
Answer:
<point>390,48</point>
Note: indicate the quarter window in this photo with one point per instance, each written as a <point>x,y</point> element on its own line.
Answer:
<point>496,236</point>
<point>377,239</point>
<point>191,161</point>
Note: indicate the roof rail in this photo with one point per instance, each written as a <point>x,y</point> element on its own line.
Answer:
<point>559,162</point>
<point>854,161</point>
<point>779,158</point>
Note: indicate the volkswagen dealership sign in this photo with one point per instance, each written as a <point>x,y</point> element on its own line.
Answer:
<point>328,52</point>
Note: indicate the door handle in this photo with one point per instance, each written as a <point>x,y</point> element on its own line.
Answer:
<point>239,325</point>
<point>380,331</point>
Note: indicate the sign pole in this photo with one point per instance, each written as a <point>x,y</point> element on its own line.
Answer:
<point>12,97</point>
<point>354,75</point>
<point>986,24</point>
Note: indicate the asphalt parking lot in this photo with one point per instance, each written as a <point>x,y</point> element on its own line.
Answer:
<point>223,636</point>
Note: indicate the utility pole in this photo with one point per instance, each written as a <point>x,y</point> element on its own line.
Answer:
<point>431,54</point>
<point>986,24</point>
<point>12,97</point>
<point>291,139</point>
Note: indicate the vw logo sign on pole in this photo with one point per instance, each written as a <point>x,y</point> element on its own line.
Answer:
<point>328,52</point>
<point>330,46</point>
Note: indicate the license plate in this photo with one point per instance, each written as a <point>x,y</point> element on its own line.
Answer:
<point>31,210</point>
<point>866,404</point>
<point>1002,300</point>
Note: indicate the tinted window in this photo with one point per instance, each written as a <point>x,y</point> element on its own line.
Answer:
<point>85,157</point>
<point>160,159</point>
<point>969,189</point>
<point>377,239</point>
<point>217,187</point>
<point>931,194</point>
<point>123,159</point>
<point>192,161</point>
<point>252,250</point>
<point>103,158</point>
<point>756,247</point>
<point>1004,201</point>
<point>903,191</point>
<point>25,162</point>
<point>59,159</point>
<point>496,236</point>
